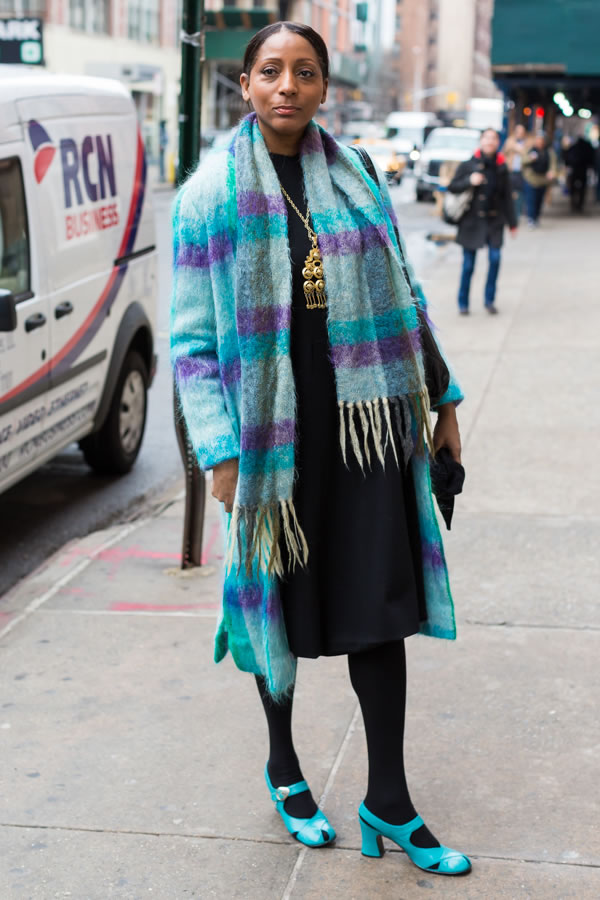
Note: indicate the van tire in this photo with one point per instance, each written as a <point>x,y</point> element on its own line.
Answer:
<point>114,448</point>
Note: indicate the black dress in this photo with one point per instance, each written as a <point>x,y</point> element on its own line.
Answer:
<point>363,584</point>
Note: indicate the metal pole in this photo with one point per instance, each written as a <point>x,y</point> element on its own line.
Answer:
<point>190,106</point>
<point>190,98</point>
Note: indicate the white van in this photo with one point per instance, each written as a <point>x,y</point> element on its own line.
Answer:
<point>77,274</point>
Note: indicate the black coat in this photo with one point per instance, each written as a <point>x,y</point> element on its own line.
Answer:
<point>479,224</point>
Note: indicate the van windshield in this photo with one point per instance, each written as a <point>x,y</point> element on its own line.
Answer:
<point>14,237</point>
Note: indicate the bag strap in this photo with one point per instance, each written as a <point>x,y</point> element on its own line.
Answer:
<point>370,168</point>
<point>437,374</point>
<point>367,162</point>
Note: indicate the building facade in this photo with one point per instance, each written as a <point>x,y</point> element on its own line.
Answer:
<point>134,41</point>
<point>440,56</point>
<point>463,54</point>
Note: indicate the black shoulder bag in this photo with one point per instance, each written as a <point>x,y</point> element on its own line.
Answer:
<point>437,376</point>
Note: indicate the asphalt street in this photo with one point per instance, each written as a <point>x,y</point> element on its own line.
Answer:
<point>65,499</point>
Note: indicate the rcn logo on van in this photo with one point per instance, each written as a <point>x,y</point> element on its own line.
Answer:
<point>88,177</point>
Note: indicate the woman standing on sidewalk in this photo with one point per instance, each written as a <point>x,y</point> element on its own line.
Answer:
<point>295,342</point>
<point>490,211</point>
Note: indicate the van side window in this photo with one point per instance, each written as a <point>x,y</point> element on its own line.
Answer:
<point>14,235</point>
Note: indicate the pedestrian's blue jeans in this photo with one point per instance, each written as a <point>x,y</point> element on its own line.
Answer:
<point>467,273</point>
<point>534,198</point>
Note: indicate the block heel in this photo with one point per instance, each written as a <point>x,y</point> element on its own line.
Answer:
<point>372,842</point>
<point>439,860</point>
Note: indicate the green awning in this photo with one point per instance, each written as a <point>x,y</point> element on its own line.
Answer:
<point>234,17</point>
<point>545,36</point>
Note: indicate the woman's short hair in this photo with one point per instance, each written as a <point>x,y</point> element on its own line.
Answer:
<point>305,31</point>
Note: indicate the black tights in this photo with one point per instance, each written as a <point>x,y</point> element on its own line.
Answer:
<point>378,677</point>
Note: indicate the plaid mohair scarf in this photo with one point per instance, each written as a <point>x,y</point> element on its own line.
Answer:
<point>372,325</point>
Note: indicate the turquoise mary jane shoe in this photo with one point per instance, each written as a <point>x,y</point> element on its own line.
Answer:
<point>438,860</point>
<point>313,832</point>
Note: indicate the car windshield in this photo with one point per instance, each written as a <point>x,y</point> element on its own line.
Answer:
<point>452,141</point>
<point>376,147</point>
<point>414,135</point>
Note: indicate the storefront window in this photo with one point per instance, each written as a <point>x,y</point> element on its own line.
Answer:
<point>14,236</point>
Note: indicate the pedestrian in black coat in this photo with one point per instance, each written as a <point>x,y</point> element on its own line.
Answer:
<point>490,211</point>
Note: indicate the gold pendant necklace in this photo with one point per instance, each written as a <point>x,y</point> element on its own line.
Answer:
<point>314,279</point>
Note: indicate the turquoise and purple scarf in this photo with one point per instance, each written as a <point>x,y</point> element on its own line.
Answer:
<point>372,325</point>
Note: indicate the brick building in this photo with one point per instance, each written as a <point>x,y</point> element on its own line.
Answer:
<point>441,53</point>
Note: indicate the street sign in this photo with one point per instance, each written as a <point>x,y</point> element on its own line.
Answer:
<point>21,41</point>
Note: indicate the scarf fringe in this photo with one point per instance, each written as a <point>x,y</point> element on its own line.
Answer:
<point>255,532</point>
<point>375,417</point>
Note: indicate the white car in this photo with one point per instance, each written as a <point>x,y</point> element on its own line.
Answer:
<point>443,145</point>
<point>78,273</point>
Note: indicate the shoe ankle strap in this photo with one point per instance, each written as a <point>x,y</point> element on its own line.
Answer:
<point>282,793</point>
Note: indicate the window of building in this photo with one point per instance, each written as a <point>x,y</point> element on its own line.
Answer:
<point>17,8</point>
<point>90,15</point>
<point>178,21</point>
<point>14,234</point>
<point>143,21</point>
<point>333,31</point>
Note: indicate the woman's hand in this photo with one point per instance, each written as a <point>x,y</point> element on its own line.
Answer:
<point>446,433</point>
<point>476,179</point>
<point>225,476</point>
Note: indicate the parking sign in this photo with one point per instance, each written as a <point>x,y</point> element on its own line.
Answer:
<point>21,41</point>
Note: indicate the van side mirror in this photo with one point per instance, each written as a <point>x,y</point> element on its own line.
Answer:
<point>8,311</point>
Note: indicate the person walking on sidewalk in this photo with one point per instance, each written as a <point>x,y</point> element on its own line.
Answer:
<point>579,158</point>
<point>491,209</point>
<point>297,329</point>
<point>540,167</point>
<point>514,149</point>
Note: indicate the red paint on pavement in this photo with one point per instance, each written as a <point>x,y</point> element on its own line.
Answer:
<point>118,554</point>
<point>214,534</point>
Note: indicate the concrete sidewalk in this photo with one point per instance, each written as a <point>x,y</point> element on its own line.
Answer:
<point>132,765</point>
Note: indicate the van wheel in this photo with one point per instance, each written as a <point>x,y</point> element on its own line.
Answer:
<point>114,449</point>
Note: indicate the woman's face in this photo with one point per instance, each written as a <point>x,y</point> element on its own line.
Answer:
<point>285,85</point>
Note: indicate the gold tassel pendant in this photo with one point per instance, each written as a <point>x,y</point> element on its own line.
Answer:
<point>314,284</point>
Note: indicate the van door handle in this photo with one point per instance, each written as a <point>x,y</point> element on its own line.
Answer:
<point>63,309</point>
<point>35,321</point>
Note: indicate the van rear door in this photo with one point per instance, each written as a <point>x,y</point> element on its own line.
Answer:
<point>24,352</point>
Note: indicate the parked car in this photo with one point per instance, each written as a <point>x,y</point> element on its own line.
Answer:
<point>382,152</point>
<point>408,132</point>
<point>444,145</point>
<point>78,274</point>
